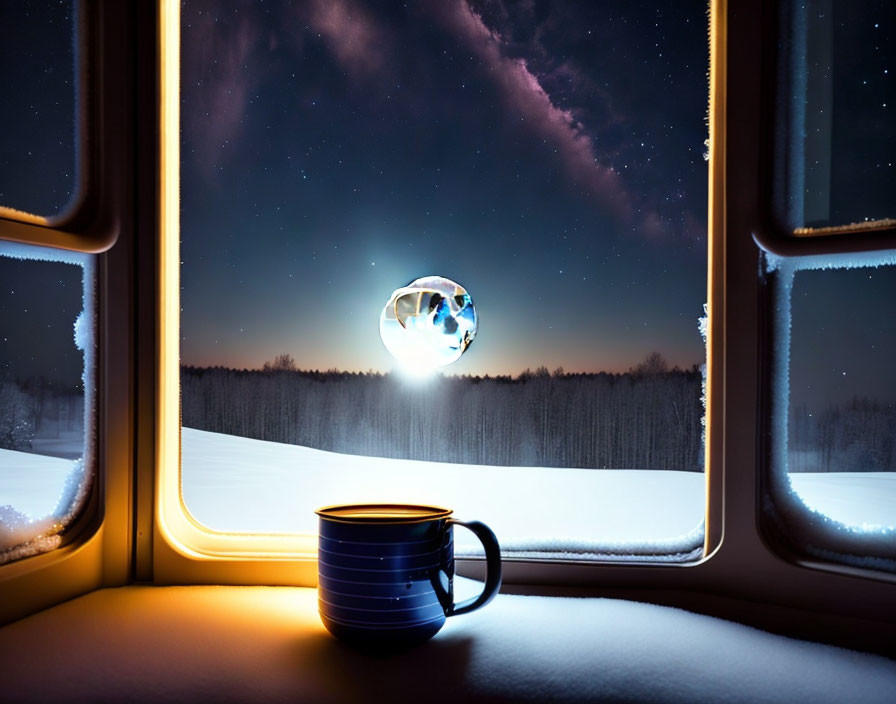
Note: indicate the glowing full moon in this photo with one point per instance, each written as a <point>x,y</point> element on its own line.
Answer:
<point>428,324</point>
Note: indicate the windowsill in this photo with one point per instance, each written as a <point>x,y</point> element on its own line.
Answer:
<point>200,643</point>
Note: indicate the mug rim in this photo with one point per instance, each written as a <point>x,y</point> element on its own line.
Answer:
<point>377,511</point>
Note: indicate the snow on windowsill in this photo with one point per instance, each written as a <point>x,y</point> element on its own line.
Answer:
<point>213,643</point>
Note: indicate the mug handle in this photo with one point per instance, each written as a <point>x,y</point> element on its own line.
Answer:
<point>492,568</point>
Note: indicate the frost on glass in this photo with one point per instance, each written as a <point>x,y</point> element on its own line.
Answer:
<point>835,142</point>
<point>833,433</point>
<point>46,395</point>
<point>37,73</point>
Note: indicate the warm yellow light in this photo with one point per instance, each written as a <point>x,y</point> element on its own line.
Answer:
<point>718,29</point>
<point>22,216</point>
<point>184,549</point>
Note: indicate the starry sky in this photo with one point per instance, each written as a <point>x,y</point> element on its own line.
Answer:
<point>37,142</point>
<point>846,97</point>
<point>39,300</point>
<point>39,303</point>
<point>548,156</point>
<point>843,336</point>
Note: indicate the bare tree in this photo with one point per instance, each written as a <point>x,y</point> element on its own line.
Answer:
<point>281,363</point>
<point>653,364</point>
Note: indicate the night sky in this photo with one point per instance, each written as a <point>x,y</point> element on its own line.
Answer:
<point>39,301</point>
<point>548,156</point>
<point>37,142</point>
<point>334,151</point>
<point>843,336</point>
<point>849,154</point>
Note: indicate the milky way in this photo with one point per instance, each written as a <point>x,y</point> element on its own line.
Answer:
<point>548,157</point>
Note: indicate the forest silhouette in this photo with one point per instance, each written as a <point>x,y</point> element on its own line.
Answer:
<point>647,418</point>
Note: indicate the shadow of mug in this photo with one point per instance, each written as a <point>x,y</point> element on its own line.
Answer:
<point>386,572</point>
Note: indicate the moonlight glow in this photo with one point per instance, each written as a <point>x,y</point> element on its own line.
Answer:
<point>428,324</point>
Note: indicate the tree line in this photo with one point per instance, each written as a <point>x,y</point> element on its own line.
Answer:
<point>648,418</point>
<point>37,407</point>
<point>856,436</point>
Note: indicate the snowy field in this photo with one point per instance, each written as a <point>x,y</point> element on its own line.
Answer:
<point>68,444</point>
<point>237,484</point>
<point>233,483</point>
<point>853,498</point>
<point>31,483</point>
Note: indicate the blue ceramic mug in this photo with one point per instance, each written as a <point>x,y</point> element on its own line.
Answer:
<point>386,571</point>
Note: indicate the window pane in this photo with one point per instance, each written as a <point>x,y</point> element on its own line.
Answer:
<point>836,95</point>
<point>842,424</point>
<point>37,72</point>
<point>44,337</point>
<point>335,152</point>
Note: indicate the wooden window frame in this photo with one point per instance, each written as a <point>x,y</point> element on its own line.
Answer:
<point>101,220</point>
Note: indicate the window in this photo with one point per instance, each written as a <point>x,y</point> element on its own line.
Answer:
<point>738,562</point>
<point>333,152</point>
<point>832,387</point>
<point>38,142</point>
<point>834,408</point>
<point>88,243</point>
<point>835,140</point>
<point>47,296</point>
<point>46,395</point>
